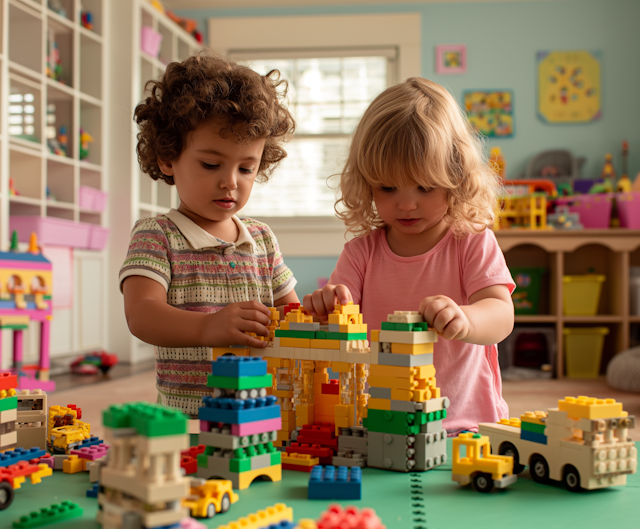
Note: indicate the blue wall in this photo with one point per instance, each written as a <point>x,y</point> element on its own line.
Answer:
<point>502,39</point>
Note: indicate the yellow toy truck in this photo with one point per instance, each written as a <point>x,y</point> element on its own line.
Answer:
<point>208,497</point>
<point>478,466</point>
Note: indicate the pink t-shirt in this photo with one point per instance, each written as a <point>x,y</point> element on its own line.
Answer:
<point>381,282</point>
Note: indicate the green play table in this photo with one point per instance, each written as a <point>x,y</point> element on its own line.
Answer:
<point>426,500</point>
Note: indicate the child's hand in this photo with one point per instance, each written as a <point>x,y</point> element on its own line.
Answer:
<point>446,317</point>
<point>227,326</point>
<point>321,302</point>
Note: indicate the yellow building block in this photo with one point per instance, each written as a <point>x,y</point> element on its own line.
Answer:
<point>284,435</point>
<point>297,316</point>
<point>375,335</point>
<point>303,460</point>
<point>45,470</point>
<point>269,516</point>
<point>284,325</point>
<point>427,371</point>
<point>379,404</point>
<point>343,410</point>
<point>591,408</point>
<point>353,327</point>
<point>325,344</point>
<point>426,383</point>
<point>515,422</point>
<point>295,342</point>
<point>282,393</point>
<point>534,417</point>
<point>412,349</point>
<point>341,367</point>
<point>393,382</point>
<point>73,465</point>
<point>435,393</point>
<point>288,416</point>
<point>221,351</point>
<point>246,478</point>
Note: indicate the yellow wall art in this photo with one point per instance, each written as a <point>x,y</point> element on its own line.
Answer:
<point>568,86</point>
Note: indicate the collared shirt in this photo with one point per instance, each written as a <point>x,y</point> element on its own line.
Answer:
<point>202,273</point>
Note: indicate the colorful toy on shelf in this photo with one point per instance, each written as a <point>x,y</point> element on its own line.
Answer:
<point>57,7</point>
<point>92,363</point>
<point>497,162</point>
<point>58,145</point>
<point>142,477</point>
<point>188,24</point>
<point>563,219</point>
<point>624,183</point>
<point>157,4</point>
<point>86,19</point>
<point>274,516</point>
<point>528,212</point>
<point>241,450</point>
<point>478,466</point>
<point>85,139</point>
<point>27,278</point>
<point>583,442</point>
<point>54,62</point>
<point>331,483</point>
<point>12,188</point>
<point>32,418</point>
<point>207,498</point>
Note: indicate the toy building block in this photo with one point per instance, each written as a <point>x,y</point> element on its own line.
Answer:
<point>328,483</point>
<point>73,465</point>
<point>239,366</point>
<point>245,382</point>
<point>391,359</point>
<point>32,418</point>
<point>264,518</point>
<point>584,444</point>
<point>238,411</point>
<point>57,512</point>
<point>336,517</point>
<point>11,457</point>
<point>409,338</point>
<point>93,491</point>
<point>299,462</point>
<point>91,453</point>
<point>323,454</point>
<point>349,459</point>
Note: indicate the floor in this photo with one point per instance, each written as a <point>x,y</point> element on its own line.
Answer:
<point>528,395</point>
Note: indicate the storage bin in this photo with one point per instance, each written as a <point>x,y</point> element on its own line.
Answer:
<point>629,209</point>
<point>60,232</point>
<point>594,210</point>
<point>150,41</point>
<point>92,198</point>
<point>583,351</point>
<point>526,296</point>
<point>581,294</point>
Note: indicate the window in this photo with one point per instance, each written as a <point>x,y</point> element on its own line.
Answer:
<point>328,93</point>
<point>21,115</point>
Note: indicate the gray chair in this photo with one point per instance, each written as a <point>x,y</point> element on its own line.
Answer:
<point>567,164</point>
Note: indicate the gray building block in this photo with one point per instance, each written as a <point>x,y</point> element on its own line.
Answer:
<point>431,450</point>
<point>406,405</point>
<point>342,460</point>
<point>293,326</point>
<point>397,451</point>
<point>58,459</point>
<point>334,327</point>
<point>431,427</point>
<point>354,444</point>
<point>380,393</point>
<point>375,450</point>
<point>390,359</point>
<point>228,441</point>
<point>260,461</point>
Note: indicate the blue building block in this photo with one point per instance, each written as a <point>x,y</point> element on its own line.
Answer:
<point>93,491</point>
<point>11,457</point>
<point>239,411</point>
<point>93,440</point>
<point>532,436</point>
<point>331,483</point>
<point>282,525</point>
<point>239,366</point>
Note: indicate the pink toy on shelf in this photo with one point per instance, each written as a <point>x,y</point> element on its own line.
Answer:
<point>150,41</point>
<point>92,198</point>
<point>629,209</point>
<point>594,210</point>
<point>61,232</point>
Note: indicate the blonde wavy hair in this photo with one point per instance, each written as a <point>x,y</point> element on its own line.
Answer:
<point>415,134</point>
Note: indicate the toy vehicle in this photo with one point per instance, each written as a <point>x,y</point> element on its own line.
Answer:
<point>208,497</point>
<point>584,443</point>
<point>478,466</point>
<point>90,363</point>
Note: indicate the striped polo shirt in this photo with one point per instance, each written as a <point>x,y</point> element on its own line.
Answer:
<point>202,273</point>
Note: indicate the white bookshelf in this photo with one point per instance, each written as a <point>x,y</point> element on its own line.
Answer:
<point>32,104</point>
<point>133,194</point>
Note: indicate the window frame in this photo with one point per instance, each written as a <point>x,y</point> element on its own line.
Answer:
<point>320,236</point>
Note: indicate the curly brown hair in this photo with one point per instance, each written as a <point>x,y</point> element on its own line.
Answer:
<point>207,87</point>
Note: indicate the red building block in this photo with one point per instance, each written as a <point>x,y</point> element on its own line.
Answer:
<point>332,388</point>
<point>8,381</point>
<point>189,459</point>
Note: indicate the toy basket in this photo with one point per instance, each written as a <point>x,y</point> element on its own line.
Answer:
<point>581,294</point>
<point>629,210</point>
<point>526,296</point>
<point>150,41</point>
<point>594,210</point>
<point>583,351</point>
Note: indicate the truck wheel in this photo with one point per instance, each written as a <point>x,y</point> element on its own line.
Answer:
<point>482,482</point>
<point>211,510</point>
<point>571,478</point>
<point>508,449</point>
<point>225,503</point>
<point>6,495</point>
<point>539,469</point>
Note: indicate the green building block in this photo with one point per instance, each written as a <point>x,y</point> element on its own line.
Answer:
<point>150,420</point>
<point>532,427</point>
<point>388,326</point>
<point>9,403</point>
<point>276,458</point>
<point>346,335</point>
<point>432,416</point>
<point>262,381</point>
<point>396,326</point>
<point>202,460</point>
<point>296,334</point>
<point>321,335</point>
<point>58,512</point>
<point>240,465</point>
<point>397,422</point>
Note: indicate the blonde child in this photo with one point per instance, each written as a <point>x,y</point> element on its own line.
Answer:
<point>420,198</point>
<point>199,276</point>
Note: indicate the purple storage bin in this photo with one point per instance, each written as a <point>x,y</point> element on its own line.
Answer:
<point>629,209</point>
<point>594,210</point>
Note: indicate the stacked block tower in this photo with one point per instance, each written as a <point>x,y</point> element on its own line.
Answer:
<point>405,411</point>
<point>239,423</point>
<point>141,484</point>
<point>8,411</point>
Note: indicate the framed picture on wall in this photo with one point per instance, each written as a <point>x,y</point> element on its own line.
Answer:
<point>490,111</point>
<point>451,58</point>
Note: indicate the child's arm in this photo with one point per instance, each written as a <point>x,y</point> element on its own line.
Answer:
<point>154,321</point>
<point>488,319</point>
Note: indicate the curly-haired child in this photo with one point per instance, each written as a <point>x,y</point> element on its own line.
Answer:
<point>198,276</point>
<point>420,197</point>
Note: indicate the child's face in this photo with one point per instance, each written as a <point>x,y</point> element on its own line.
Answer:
<point>410,211</point>
<point>214,175</point>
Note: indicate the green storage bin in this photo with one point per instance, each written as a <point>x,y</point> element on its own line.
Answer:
<point>583,351</point>
<point>526,296</point>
